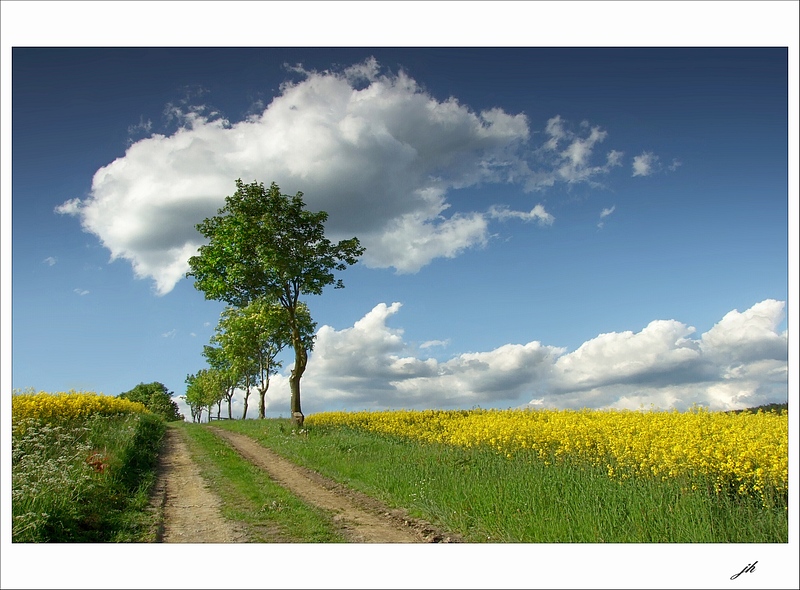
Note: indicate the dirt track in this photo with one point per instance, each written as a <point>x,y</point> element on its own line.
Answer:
<point>191,513</point>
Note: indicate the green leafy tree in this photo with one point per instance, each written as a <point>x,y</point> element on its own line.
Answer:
<point>203,390</point>
<point>157,398</point>
<point>234,356</point>
<point>253,336</point>
<point>218,361</point>
<point>264,245</point>
<point>194,397</point>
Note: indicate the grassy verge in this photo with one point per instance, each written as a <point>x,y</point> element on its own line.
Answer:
<point>490,498</point>
<point>85,481</point>
<point>268,512</point>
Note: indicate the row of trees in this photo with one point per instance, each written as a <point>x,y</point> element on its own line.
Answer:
<point>264,251</point>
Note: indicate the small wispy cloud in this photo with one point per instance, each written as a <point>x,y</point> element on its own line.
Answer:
<point>170,334</point>
<point>538,214</point>
<point>80,291</point>
<point>432,343</point>
<point>142,126</point>
<point>647,164</point>
<point>71,207</point>
<point>605,213</point>
<point>49,261</point>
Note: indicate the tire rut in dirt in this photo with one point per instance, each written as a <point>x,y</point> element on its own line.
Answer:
<point>361,518</point>
<point>190,512</point>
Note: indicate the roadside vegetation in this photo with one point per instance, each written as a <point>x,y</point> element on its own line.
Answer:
<point>83,466</point>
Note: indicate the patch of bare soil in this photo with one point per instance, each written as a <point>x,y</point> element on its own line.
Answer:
<point>190,513</point>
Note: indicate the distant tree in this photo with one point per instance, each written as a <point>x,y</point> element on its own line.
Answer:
<point>776,408</point>
<point>156,398</point>
<point>203,390</point>
<point>194,397</point>
<point>266,246</point>
<point>218,361</point>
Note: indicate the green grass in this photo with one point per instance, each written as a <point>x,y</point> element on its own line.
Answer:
<point>268,512</point>
<point>57,496</point>
<point>489,498</point>
<point>87,481</point>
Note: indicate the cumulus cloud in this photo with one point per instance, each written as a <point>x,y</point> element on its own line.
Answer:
<point>658,350</point>
<point>49,261</point>
<point>750,336</point>
<point>80,292</point>
<point>372,148</point>
<point>740,362</point>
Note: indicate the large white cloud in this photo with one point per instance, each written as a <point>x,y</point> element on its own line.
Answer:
<point>750,336</point>
<point>377,152</point>
<point>740,362</point>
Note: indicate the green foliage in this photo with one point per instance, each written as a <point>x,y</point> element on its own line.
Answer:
<point>254,334</point>
<point>204,389</point>
<point>266,247</point>
<point>85,483</point>
<point>156,398</point>
<point>230,377</point>
<point>250,338</point>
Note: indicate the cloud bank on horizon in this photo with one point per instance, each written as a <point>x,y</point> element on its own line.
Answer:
<point>372,148</point>
<point>740,362</point>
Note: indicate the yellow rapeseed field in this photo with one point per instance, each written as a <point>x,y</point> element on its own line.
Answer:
<point>745,452</point>
<point>70,405</point>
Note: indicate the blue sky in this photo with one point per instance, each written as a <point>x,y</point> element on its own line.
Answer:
<point>562,227</point>
<point>572,218</point>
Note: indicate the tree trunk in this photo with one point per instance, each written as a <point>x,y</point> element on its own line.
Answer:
<point>262,390</point>
<point>246,396</point>
<point>300,361</point>
<point>262,406</point>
